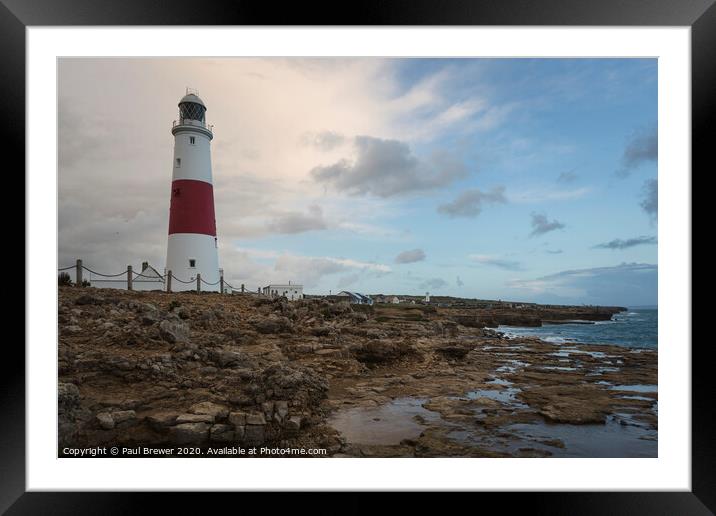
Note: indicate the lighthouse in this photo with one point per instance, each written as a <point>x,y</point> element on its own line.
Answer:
<point>192,244</point>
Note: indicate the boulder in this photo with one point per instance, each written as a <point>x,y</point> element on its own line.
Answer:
<point>161,420</point>
<point>105,420</point>
<point>174,331</point>
<point>226,358</point>
<point>124,416</point>
<point>189,433</point>
<point>210,408</point>
<point>274,324</point>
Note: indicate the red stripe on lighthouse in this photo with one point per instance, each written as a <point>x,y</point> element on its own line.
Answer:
<point>192,208</point>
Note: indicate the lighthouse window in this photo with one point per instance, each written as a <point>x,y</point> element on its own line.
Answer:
<point>192,262</point>
<point>192,140</point>
<point>178,162</point>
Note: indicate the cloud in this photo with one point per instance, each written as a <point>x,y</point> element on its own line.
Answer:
<point>311,270</point>
<point>650,200</point>
<point>433,284</point>
<point>547,195</point>
<point>567,177</point>
<point>627,284</point>
<point>470,202</point>
<point>459,282</point>
<point>297,222</point>
<point>553,251</point>
<point>347,281</point>
<point>324,140</point>
<point>643,146</point>
<point>260,166</point>
<point>496,261</point>
<point>618,243</point>
<point>541,225</point>
<point>386,168</point>
<point>412,256</point>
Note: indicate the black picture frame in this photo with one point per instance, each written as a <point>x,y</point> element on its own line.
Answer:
<point>700,15</point>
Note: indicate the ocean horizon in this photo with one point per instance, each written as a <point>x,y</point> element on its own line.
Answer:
<point>634,328</point>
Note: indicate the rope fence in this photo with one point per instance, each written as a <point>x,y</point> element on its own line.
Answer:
<point>165,279</point>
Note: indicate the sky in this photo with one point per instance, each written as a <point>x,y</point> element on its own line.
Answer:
<point>515,179</point>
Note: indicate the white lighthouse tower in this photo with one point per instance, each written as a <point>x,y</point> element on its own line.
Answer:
<point>192,245</point>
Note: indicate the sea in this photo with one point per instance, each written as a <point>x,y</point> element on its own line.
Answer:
<point>635,328</point>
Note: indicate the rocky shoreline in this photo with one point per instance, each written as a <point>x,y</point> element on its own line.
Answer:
<point>154,369</point>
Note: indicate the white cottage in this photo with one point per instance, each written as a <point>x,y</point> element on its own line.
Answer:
<point>290,291</point>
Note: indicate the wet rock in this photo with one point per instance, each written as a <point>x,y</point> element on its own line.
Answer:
<point>189,433</point>
<point>455,351</point>
<point>173,331</point>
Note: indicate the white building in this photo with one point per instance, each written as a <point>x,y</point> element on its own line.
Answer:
<point>290,291</point>
<point>395,300</point>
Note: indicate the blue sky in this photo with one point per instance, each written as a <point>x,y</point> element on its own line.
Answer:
<point>521,179</point>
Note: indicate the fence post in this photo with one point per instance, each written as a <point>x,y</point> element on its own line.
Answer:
<point>169,281</point>
<point>198,282</point>
<point>221,283</point>
<point>129,277</point>
<point>242,288</point>
<point>78,274</point>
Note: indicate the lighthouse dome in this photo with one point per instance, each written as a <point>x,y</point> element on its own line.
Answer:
<point>193,98</point>
<point>191,107</point>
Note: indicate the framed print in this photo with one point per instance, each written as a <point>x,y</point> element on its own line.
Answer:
<point>440,249</point>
